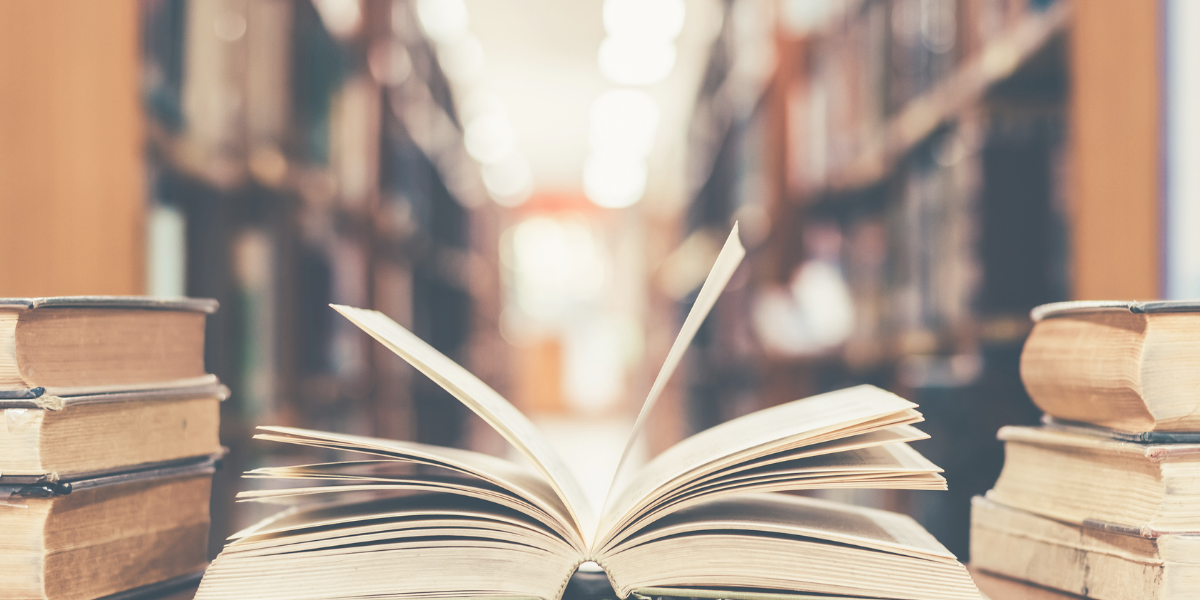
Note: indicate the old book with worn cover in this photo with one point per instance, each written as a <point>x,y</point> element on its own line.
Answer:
<point>80,345</point>
<point>1091,561</point>
<point>1149,489</point>
<point>64,437</point>
<point>1130,366</point>
<point>95,537</point>
<point>408,520</point>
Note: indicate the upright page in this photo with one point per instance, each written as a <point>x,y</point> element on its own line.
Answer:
<point>483,401</point>
<point>727,262</point>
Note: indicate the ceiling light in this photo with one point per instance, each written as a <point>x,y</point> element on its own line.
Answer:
<point>444,21</point>
<point>636,61</point>
<point>624,122</point>
<point>488,138</point>
<point>478,102</point>
<point>342,18</point>
<point>613,181</point>
<point>509,181</point>
<point>463,60</point>
<point>644,19</point>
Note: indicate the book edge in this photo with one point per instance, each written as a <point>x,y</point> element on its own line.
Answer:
<point>203,305</point>
<point>38,397</point>
<point>1058,437</point>
<point>1074,307</point>
<point>1136,437</point>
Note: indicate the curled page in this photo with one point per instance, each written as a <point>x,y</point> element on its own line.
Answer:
<point>483,401</point>
<point>727,262</point>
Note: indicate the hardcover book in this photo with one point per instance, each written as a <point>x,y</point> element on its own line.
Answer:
<point>702,519</point>
<point>51,438</point>
<point>1092,561</point>
<point>1143,489</point>
<point>100,536</point>
<point>79,345</point>
<point>1128,366</point>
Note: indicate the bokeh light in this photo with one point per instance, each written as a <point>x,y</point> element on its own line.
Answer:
<point>614,181</point>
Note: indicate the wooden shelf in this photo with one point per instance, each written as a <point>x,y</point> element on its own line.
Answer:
<point>922,115</point>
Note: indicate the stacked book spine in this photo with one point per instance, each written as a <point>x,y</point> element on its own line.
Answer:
<point>1102,500</point>
<point>108,443</point>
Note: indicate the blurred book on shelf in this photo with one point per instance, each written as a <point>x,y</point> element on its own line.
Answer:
<point>306,161</point>
<point>906,165</point>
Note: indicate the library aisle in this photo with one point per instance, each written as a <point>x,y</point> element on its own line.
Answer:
<point>537,189</point>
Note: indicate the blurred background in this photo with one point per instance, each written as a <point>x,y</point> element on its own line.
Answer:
<point>538,188</point>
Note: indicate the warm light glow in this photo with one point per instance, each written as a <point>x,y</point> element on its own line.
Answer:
<point>342,18</point>
<point>594,364</point>
<point>623,122</point>
<point>557,264</point>
<point>489,138</point>
<point>614,181</point>
<point>509,181</point>
<point>636,61</point>
<point>478,102</point>
<point>444,21</point>
<point>463,60</point>
<point>644,19</point>
<point>810,316</point>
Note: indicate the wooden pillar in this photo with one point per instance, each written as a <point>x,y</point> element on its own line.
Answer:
<point>1116,152</point>
<point>72,179</point>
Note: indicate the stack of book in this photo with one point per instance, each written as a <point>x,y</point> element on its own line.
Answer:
<point>1103,500</point>
<point>108,438</point>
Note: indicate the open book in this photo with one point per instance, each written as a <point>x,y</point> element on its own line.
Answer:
<point>417,521</point>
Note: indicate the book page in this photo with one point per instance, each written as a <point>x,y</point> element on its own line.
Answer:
<point>789,544</point>
<point>769,430</point>
<point>410,458</point>
<point>722,270</point>
<point>425,506</point>
<point>892,459</point>
<point>483,401</point>
<point>807,517</point>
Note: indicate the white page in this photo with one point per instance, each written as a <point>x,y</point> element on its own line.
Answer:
<point>806,517</point>
<point>727,262</point>
<point>739,439</point>
<point>519,479</point>
<point>483,401</point>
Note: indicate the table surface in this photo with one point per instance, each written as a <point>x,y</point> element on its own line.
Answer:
<point>995,588</point>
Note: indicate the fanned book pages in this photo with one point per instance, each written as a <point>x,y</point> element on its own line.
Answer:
<point>410,520</point>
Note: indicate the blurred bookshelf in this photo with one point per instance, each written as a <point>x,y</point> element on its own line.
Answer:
<point>901,180</point>
<point>315,158</point>
<point>910,176</point>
